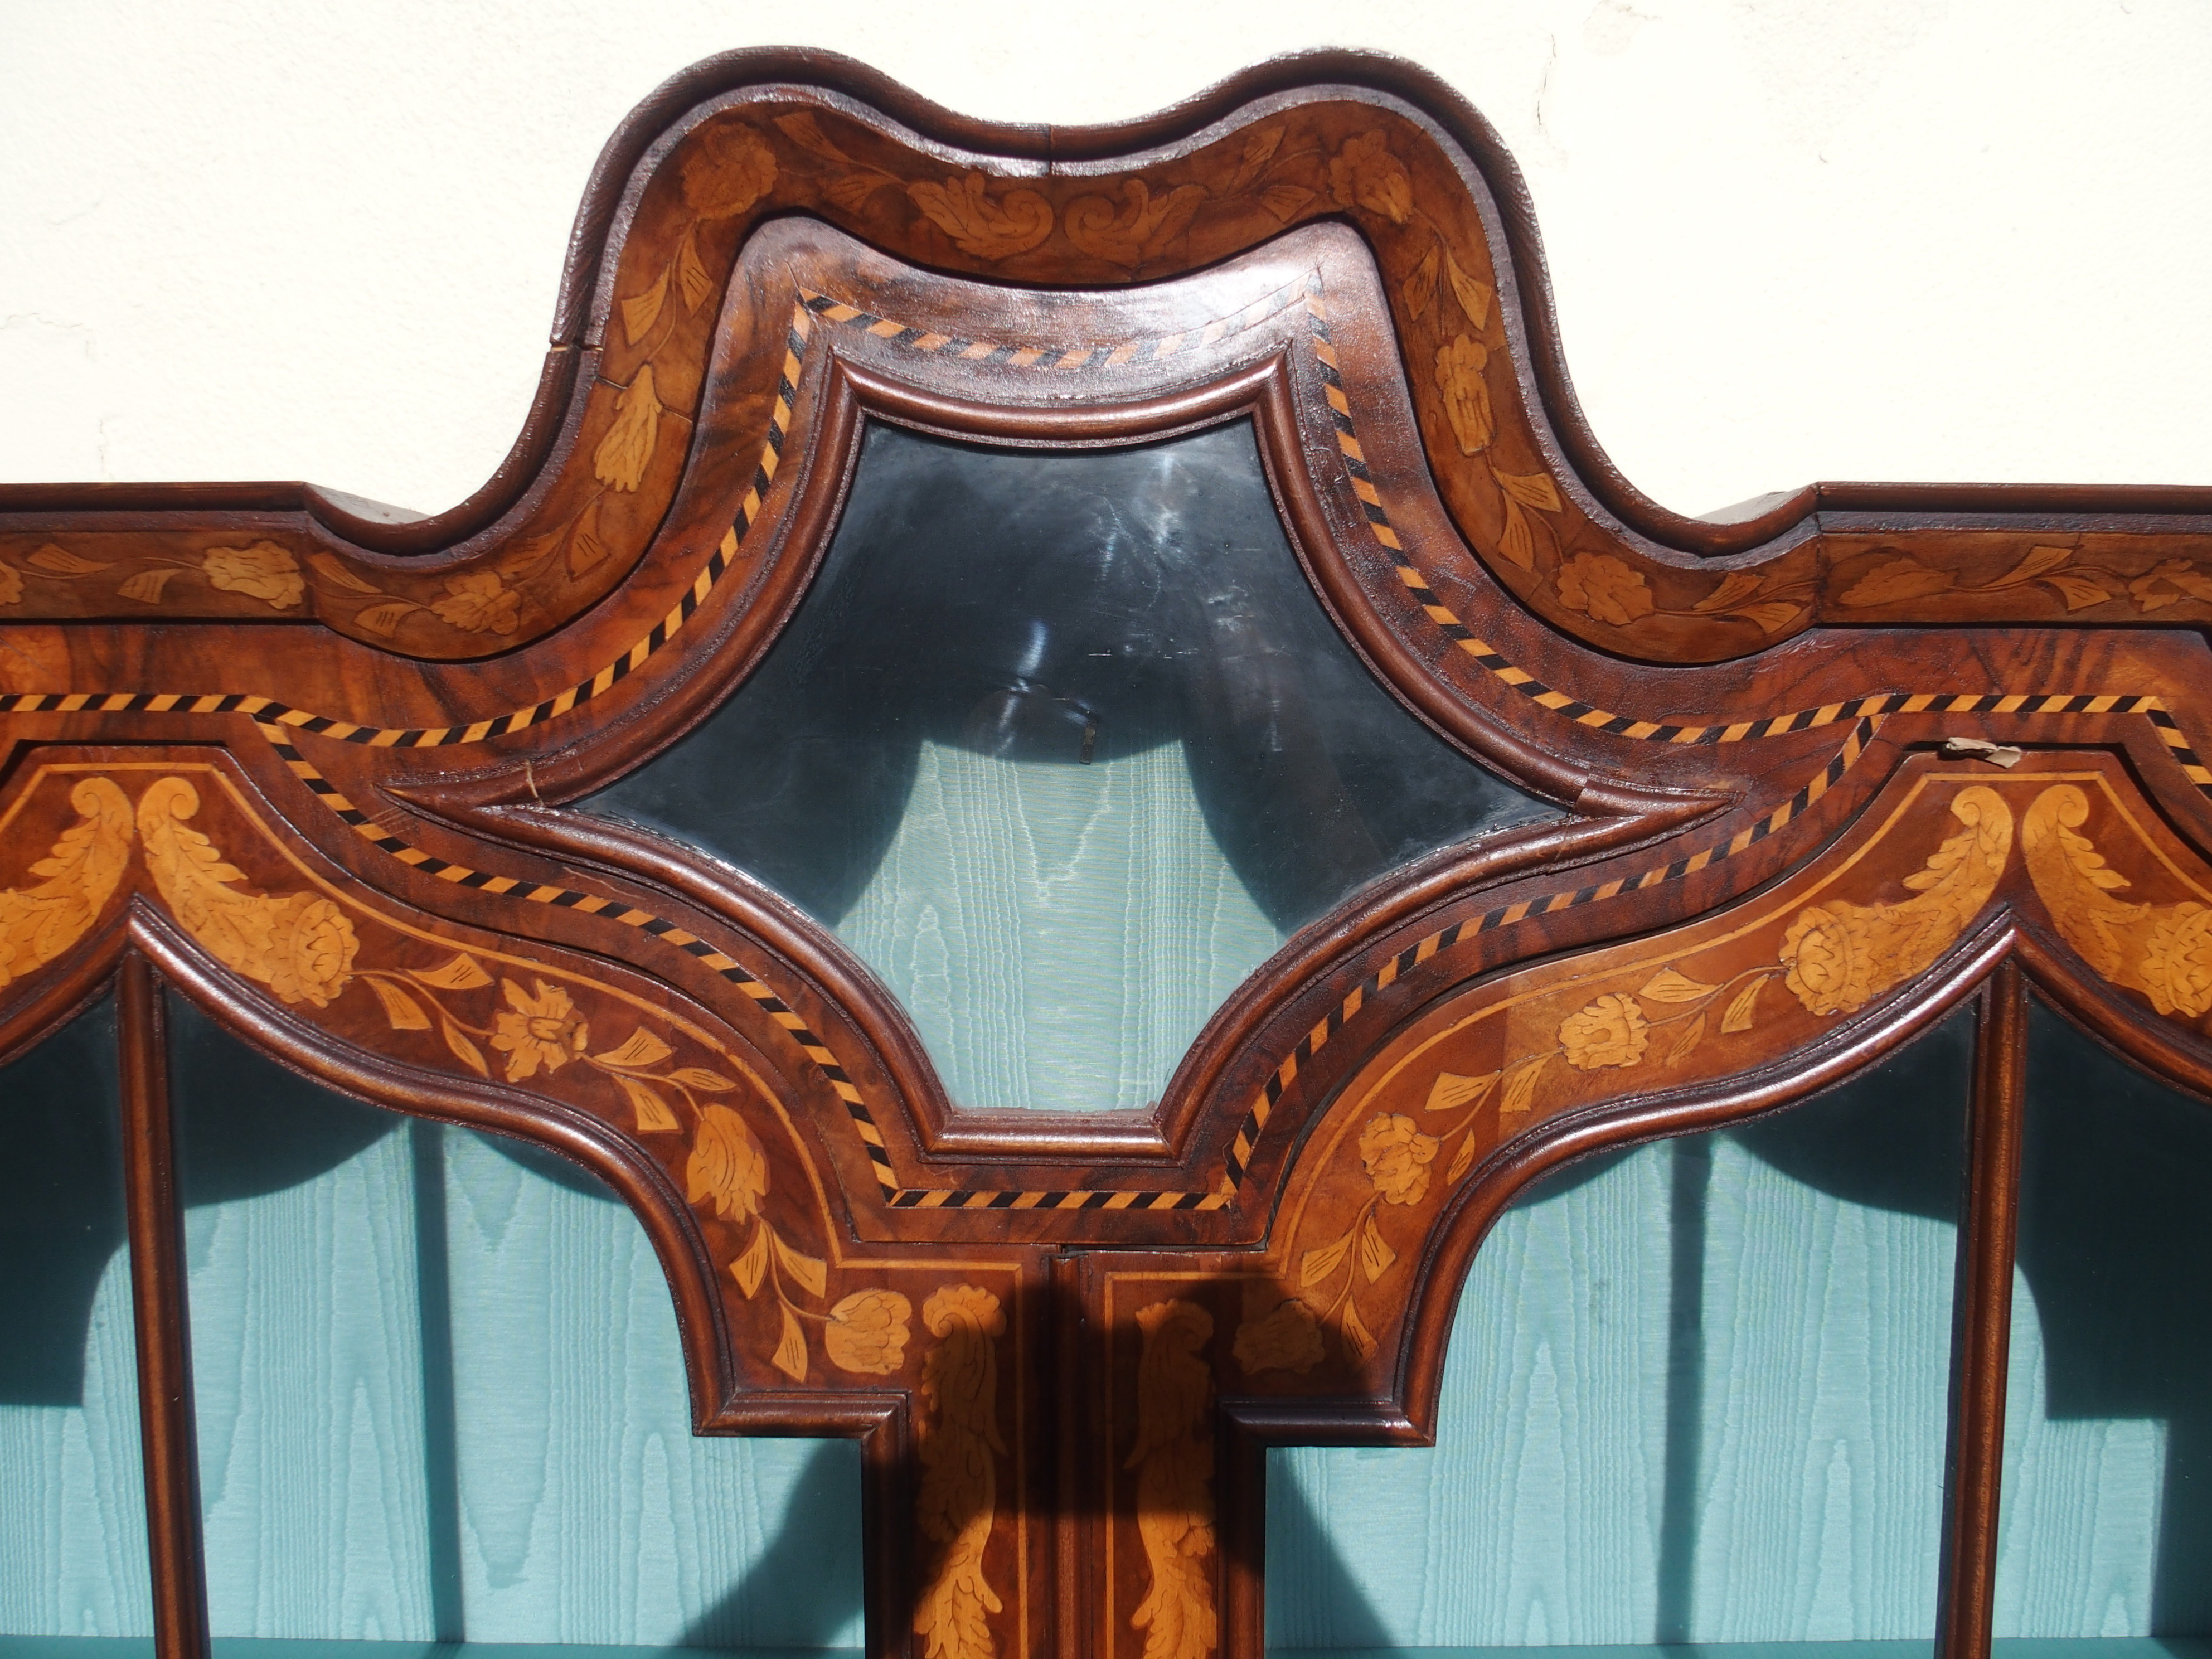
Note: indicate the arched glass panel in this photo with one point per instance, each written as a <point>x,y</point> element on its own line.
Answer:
<point>439,1396</point>
<point>1063,746</point>
<point>2106,1511</point>
<point>73,1556</point>
<point>1696,1393</point>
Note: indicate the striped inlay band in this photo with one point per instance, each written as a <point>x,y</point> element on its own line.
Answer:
<point>1861,718</point>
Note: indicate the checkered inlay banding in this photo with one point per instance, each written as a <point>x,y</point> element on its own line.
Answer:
<point>775,1008</point>
<point>1864,717</point>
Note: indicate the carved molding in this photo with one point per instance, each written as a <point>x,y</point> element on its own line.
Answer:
<point>1766,869</point>
<point>1377,145</point>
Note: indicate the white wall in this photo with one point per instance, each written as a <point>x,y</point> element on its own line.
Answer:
<point>1792,238</point>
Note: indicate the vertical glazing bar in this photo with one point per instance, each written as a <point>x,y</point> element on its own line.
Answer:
<point>157,1289</point>
<point>1693,1181</point>
<point>1981,1321</point>
<point>888,1537</point>
<point>433,1295</point>
<point>1241,1478</point>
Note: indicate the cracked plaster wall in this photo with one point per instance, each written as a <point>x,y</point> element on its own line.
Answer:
<point>1792,239</point>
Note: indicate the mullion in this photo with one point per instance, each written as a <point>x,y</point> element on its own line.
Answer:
<point>1982,1320</point>
<point>166,1429</point>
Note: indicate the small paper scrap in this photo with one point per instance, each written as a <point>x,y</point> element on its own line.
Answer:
<point>1996,754</point>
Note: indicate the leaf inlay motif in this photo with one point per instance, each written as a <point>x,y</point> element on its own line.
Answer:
<point>1175,1481</point>
<point>958,1438</point>
<point>37,924</point>
<point>301,945</point>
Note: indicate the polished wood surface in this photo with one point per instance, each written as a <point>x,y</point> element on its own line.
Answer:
<point>1821,776</point>
<point>162,1322</point>
<point>1982,1311</point>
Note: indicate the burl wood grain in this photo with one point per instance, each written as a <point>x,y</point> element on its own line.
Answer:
<point>320,776</point>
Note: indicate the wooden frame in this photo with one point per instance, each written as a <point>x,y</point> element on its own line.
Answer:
<point>1814,841</point>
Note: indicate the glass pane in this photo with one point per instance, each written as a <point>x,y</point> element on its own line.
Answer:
<point>2106,1523</point>
<point>441,1396</point>
<point>1697,1392</point>
<point>72,1482</point>
<point>1063,746</point>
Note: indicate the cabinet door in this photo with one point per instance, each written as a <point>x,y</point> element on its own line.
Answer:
<point>1058,793</point>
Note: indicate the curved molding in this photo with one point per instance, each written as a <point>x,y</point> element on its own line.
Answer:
<point>643,1185</point>
<point>139,923</point>
<point>1665,816</point>
<point>1773,860</point>
<point>1759,1092</point>
<point>1737,1013</point>
<point>1371,141</point>
<point>712,1147</point>
<point>1843,962</point>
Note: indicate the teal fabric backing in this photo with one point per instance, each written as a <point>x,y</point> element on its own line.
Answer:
<point>1537,1518</point>
<point>1059,934</point>
<point>519,1469</point>
<point>582,1510</point>
<point>2077,1534</point>
<point>588,1511</point>
<point>81,1647</point>
<point>72,1498</point>
<point>2107,1485</point>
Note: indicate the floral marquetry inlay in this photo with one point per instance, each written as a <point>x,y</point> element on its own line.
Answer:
<point>302,945</point>
<point>481,1014</point>
<point>1839,956</point>
<point>1686,1007</point>
<point>2162,951</point>
<point>1759,853</point>
<point>1173,1460</point>
<point>38,923</point>
<point>960,1446</point>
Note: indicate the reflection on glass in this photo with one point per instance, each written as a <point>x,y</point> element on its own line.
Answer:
<point>1063,746</point>
<point>72,1496</point>
<point>1697,1392</point>
<point>441,1397</point>
<point>2105,1520</point>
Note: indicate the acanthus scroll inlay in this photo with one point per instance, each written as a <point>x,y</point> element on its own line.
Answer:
<point>2162,951</point>
<point>1760,859</point>
<point>957,1432</point>
<point>1174,1460</point>
<point>37,924</point>
<point>1640,1027</point>
<point>301,945</point>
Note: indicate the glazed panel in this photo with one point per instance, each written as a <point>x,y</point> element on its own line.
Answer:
<point>72,1499</point>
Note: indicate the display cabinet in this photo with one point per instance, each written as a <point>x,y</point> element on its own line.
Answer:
<point>1058,793</point>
